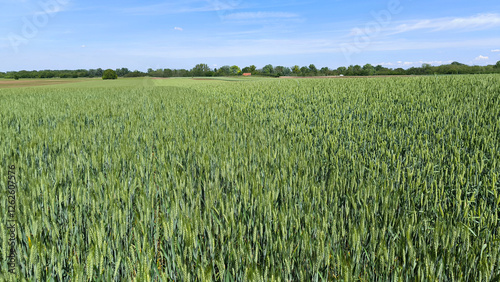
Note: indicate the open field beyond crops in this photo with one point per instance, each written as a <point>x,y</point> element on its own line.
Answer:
<point>258,179</point>
<point>10,83</point>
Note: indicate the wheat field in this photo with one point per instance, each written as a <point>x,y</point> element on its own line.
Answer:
<point>254,180</point>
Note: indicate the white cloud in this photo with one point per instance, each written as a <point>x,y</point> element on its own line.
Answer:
<point>416,63</point>
<point>476,22</point>
<point>481,57</point>
<point>83,46</point>
<point>481,21</point>
<point>259,15</point>
<point>496,50</point>
<point>178,28</point>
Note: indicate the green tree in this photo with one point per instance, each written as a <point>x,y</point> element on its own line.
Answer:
<point>268,69</point>
<point>250,69</point>
<point>235,70</point>
<point>135,73</point>
<point>399,71</point>
<point>282,71</point>
<point>109,74</point>
<point>92,73</point>
<point>368,69</point>
<point>296,70</point>
<point>122,71</point>
<point>497,66</point>
<point>168,73</point>
<point>304,71</point>
<point>253,69</point>
<point>98,72</point>
<point>224,70</point>
<point>341,70</point>
<point>426,69</point>
<point>313,70</point>
<point>200,70</point>
<point>357,70</point>
<point>324,71</point>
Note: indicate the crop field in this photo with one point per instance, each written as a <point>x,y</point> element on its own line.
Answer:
<point>253,179</point>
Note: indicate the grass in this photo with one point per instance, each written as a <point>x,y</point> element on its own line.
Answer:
<point>265,179</point>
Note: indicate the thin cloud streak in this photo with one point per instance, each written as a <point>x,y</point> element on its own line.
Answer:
<point>259,15</point>
<point>477,22</point>
<point>171,8</point>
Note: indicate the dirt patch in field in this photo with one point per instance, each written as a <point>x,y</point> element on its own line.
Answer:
<point>33,82</point>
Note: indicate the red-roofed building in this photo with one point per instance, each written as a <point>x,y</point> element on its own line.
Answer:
<point>247,74</point>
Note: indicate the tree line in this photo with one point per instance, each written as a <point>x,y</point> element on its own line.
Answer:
<point>268,70</point>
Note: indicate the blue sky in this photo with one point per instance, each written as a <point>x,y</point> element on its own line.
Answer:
<point>72,34</point>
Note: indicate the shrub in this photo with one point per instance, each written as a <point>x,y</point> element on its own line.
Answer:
<point>109,74</point>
